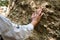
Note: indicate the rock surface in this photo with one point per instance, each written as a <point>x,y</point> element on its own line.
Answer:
<point>49,26</point>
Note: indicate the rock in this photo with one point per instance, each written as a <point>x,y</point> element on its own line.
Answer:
<point>49,23</point>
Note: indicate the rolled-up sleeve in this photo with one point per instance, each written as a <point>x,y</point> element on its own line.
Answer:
<point>5,24</point>
<point>28,27</point>
<point>14,30</point>
<point>24,30</point>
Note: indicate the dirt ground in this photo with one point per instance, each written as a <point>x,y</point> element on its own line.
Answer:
<point>49,26</point>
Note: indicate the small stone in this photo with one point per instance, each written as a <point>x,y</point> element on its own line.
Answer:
<point>52,22</point>
<point>44,4</point>
<point>50,10</point>
<point>24,11</point>
<point>33,5</point>
<point>45,25</point>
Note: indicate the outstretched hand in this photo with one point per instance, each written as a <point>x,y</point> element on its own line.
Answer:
<point>36,16</point>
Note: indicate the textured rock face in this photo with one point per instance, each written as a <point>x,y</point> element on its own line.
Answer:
<point>49,26</point>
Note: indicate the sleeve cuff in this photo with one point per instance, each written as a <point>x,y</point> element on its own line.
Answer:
<point>30,26</point>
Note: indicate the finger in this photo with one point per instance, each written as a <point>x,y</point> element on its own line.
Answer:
<point>42,14</point>
<point>39,11</point>
<point>33,15</point>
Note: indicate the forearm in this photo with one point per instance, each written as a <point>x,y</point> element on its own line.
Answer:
<point>34,23</point>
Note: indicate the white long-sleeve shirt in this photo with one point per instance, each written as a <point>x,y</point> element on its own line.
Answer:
<point>11,31</point>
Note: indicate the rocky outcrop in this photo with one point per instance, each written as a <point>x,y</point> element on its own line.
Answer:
<point>49,26</point>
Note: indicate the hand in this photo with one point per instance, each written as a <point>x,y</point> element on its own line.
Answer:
<point>36,16</point>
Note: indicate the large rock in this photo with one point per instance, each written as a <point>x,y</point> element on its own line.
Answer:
<point>49,26</point>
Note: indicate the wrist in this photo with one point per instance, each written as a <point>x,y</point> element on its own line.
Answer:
<point>34,23</point>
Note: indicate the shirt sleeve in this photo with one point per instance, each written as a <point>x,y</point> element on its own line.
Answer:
<point>5,24</point>
<point>19,31</point>
<point>29,27</point>
<point>24,30</point>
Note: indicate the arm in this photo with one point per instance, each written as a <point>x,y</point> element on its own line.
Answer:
<point>35,19</point>
<point>36,16</point>
<point>25,30</point>
<point>5,24</point>
<point>22,31</point>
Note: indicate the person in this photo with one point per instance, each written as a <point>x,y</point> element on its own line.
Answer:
<point>12,31</point>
